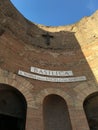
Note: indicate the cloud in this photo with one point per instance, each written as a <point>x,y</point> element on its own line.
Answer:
<point>92,5</point>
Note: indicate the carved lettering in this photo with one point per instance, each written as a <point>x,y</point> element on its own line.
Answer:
<point>51,79</point>
<point>51,72</point>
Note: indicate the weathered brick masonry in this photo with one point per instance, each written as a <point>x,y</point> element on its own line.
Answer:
<point>73,47</point>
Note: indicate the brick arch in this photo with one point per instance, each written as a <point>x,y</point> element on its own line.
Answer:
<point>55,111</point>
<point>40,97</point>
<point>21,84</point>
<point>90,106</point>
<point>83,90</point>
<point>48,91</point>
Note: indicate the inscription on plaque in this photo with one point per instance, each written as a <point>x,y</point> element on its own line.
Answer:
<point>51,72</point>
<point>51,79</point>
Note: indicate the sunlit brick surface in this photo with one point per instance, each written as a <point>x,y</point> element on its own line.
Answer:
<point>73,47</point>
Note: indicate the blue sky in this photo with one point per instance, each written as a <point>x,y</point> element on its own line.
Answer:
<point>55,12</point>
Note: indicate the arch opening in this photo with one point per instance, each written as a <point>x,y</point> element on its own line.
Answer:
<point>12,108</point>
<point>91,110</point>
<point>55,113</point>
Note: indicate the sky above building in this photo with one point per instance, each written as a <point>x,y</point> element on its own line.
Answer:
<point>55,12</point>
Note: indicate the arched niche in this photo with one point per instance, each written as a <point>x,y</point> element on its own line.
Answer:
<point>12,108</point>
<point>55,113</point>
<point>91,110</point>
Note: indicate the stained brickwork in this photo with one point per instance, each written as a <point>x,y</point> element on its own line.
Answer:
<point>73,47</point>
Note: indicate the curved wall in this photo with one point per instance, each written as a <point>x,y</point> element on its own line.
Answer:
<point>67,48</point>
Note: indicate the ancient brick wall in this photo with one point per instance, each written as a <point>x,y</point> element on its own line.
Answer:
<point>73,47</point>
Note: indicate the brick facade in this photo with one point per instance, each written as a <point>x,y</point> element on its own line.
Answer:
<point>73,47</point>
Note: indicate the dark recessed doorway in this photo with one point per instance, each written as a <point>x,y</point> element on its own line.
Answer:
<point>9,122</point>
<point>91,110</point>
<point>56,115</point>
<point>12,109</point>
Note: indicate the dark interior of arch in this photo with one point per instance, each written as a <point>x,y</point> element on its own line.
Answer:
<point>56,116</point>
<point>91,110</point>
<point>12,109</point>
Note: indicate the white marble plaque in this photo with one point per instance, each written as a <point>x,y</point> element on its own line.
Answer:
<point>51,72</point>
<point>51,79</point>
